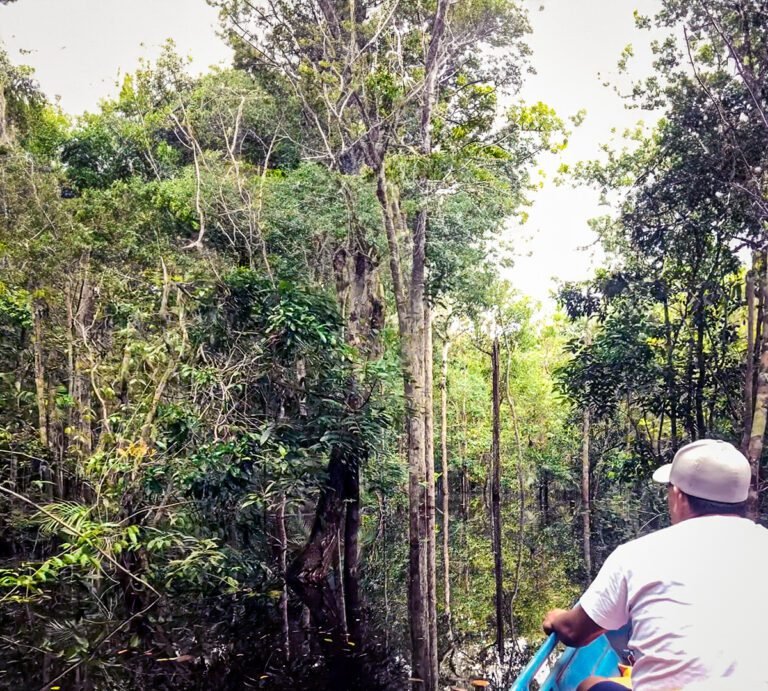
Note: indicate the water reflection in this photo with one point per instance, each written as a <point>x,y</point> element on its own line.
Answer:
<point>539,560</point>
<point>234,640</point>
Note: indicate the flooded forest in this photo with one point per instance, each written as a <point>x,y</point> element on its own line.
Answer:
<point>275,412</point>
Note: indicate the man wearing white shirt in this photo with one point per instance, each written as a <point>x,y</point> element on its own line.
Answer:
<point>694,593</point>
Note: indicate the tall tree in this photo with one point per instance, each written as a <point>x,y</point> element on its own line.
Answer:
<point>445,485</point>
<point>378,86</point>
<point>498,566</point>
<point>724,46</point>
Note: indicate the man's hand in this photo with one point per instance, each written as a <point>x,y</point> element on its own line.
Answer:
<point>549,619</point>
<point>572,626</point>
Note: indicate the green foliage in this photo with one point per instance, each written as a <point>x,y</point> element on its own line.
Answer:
<point>177,363</point>
<point>658,354</point>
<point>21,98</point>
<point>14,307</point>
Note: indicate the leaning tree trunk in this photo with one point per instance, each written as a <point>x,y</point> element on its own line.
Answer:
<point>308,573</point>
<point>496,497</point>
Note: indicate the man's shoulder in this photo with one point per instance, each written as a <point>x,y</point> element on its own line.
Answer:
<point>686,531</point>
<point>651,540</point>
<point>648,547</point>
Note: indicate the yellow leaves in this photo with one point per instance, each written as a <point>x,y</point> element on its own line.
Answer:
<point>127,90</point>
<point>136,451</point>
<point>540,119</point>
<point>459,132</point>
<point>534,117</point>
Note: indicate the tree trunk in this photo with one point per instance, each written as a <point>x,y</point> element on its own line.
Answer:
<point>520,492</point>
<point>585,499</point>
<point>749,375</point>
<point>338,580</point>
<point>421,460</point>
<point>445,485</point>
<point>757,434</point>
<point>41,391</point>
<point>690,421</point>
<point>81,385</point>
<point>359,295</point>
<point>308,574</point>
<point>417,504</point>
<point>429,460</point>
<point>760,310</point>
<point>586,502</point>
<point>412,347</point>
<point>5,130</point>
<point>41,396</point>
<point>282,545</point>
<point>464,489</point>
<point>670,375</point>
<point>351,578</point>
<point>701,369</point>
<point>496,497</point>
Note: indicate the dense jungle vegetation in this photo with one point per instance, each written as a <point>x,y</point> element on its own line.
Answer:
<point>270,415</point>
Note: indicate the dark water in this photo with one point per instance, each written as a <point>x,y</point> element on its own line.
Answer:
<point>541,566</point>
<point>234,641</point>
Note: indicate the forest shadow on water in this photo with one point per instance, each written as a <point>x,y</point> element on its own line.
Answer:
<point>259,640</point>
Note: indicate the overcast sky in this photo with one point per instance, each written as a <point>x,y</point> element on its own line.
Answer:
<point>573,42</point>
<point>79,49</point>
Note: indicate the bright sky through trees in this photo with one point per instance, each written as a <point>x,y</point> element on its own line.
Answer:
<point>79,49</point>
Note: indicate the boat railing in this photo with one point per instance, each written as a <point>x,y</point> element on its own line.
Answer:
<point>524,679</point>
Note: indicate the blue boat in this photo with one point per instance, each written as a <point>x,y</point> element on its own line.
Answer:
<point>574,664</point>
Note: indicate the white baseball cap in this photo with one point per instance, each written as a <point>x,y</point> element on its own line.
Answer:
<point>709,469</point>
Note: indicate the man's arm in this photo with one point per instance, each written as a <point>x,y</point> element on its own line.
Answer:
<point>573,627</point>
